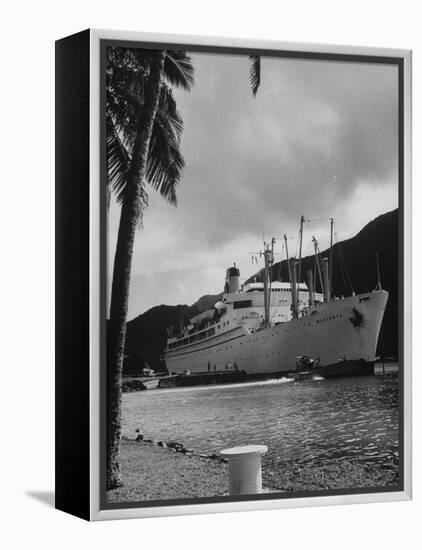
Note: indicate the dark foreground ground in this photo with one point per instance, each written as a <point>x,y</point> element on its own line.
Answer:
<point>155,473</point>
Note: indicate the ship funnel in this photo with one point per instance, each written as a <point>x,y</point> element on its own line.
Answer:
<point>232,280</point>
<point>311,288</point>
<point>325,274</point>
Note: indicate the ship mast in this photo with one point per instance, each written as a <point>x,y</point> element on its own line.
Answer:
<point>330,293</point>
<point>270,277</point>
<point>268,259</point>
<point>318,264</point>
<point>292,266</point>
<point>302,221</point>
<point>268,254</point>
<point>294,287</point>
<point>288,259</point>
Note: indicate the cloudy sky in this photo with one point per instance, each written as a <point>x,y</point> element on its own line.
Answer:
<point>320,139</point>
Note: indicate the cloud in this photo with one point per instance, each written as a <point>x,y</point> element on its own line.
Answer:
<point>320,139</point>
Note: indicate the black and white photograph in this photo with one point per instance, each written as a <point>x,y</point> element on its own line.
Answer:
<point>210,275</point>
<point>253,263</point>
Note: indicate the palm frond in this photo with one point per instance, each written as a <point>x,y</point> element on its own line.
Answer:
<point>118,164</point>
<point>178,69</point>
<point>165,160</point>
<point>255,73</point>
<point>127,79</point>
<point>118,161</point>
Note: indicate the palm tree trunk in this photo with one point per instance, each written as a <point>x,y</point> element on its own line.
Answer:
<point>129,217</point>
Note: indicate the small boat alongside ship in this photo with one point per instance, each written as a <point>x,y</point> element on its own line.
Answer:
<point>271,328</point>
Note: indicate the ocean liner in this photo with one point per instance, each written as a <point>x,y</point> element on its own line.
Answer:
<point>270,327</point>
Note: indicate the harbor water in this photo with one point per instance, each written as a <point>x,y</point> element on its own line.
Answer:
<point>312,422</point>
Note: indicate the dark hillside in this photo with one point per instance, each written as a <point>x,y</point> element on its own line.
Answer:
<point>146,334</point>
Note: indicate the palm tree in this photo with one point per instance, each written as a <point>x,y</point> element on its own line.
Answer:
<point>143,146</point>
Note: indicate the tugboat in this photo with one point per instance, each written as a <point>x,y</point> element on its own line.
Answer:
<point>149,379</point>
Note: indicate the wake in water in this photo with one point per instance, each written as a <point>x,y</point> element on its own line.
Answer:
<point>269,382</point>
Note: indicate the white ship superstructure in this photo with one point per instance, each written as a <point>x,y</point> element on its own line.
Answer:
<point>268,327</point>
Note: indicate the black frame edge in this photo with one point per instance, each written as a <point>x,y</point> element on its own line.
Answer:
<point>72,418</point>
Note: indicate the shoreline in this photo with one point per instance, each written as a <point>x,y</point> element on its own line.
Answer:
<point>154,472</point>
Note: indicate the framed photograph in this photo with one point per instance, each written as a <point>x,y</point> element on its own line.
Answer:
<point>233,274</point>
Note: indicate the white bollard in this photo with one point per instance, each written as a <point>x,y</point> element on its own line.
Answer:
<point>245,473</point>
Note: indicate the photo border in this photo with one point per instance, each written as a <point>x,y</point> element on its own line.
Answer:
<point>100,39</point>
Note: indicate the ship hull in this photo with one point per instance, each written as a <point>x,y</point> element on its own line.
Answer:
<point>336,334</point>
